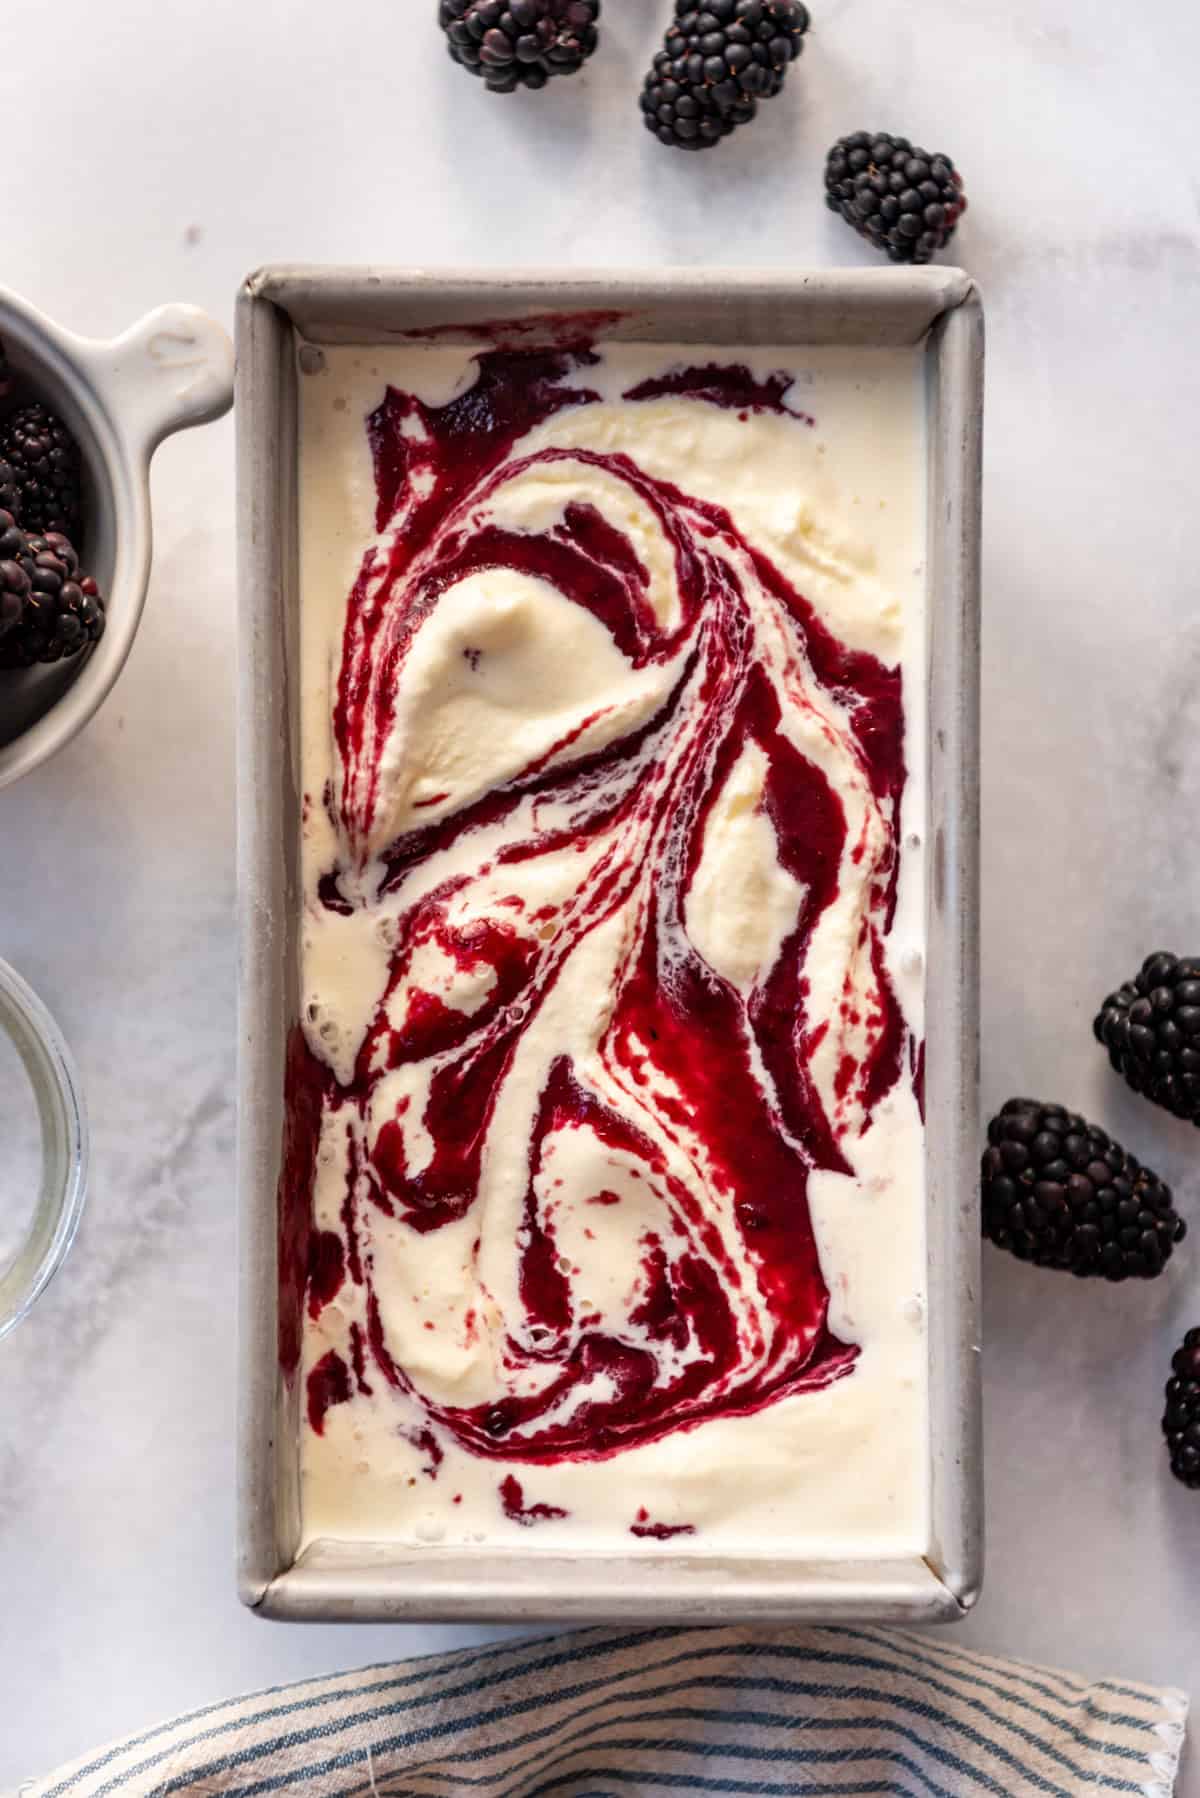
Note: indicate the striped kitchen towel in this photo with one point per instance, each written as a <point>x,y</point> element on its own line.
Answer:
<point>617,1714</point>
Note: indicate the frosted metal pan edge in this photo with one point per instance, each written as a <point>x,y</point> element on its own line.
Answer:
<point>939,307</point>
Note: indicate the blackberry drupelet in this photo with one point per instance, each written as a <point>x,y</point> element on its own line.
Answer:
<point>900,198</point>
<point>519,43</point>
<point>719,58</point>
<point>63,612</point>
<point>44,459</point>
<point>1151,1029</point>
<point>1060,1193</point>
<point>1181,1419</point>
<point>15,582</point>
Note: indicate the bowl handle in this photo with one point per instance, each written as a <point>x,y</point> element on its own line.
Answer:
<point>172,369</point>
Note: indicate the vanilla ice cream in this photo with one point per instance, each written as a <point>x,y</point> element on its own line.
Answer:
<point>604,1206</point>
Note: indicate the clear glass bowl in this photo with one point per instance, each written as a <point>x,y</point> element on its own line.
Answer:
<point>37,1039</point>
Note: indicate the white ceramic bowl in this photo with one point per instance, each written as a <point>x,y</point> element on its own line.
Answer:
<point>172,369</point>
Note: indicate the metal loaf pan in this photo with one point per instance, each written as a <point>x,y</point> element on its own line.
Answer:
<point>282,306</point>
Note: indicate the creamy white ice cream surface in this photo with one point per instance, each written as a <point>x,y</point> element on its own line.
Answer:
<point>604,1208</point>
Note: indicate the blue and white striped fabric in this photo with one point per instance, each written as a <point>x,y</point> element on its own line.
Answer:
<point>622,1714</point>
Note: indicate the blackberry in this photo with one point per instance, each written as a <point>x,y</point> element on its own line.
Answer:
<point>519,43</point>
<point>44,459</point>
<point>63,612</point>
<point>1181,1419</point>
<point>1151,1029</point>
<point>899,197</point>
<point>1060,1193</point>
<point>10,499</point>
<point>719,58</point>
<point>15,579</point>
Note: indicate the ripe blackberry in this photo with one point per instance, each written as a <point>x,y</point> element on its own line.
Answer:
<point>719,58</point>
<point>44,458</point>
<point>519,43</point>
<point>1151,1029</point>
<point>15,582</point>
<point>9,496</point>
<point>1181,1419</point>
<point>63,612</point>
<point>903,200</point>
<point>1060,1193</point>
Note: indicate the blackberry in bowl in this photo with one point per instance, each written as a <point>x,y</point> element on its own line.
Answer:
<point>53,467</point>
<point>10,498</point>
<point>114,402</point>
<point>50,609</point>
<point>62,613</point>
<point>43,463</point>
<point>16,582</point>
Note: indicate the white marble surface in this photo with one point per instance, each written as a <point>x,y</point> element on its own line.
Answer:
<point>190,144</point>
